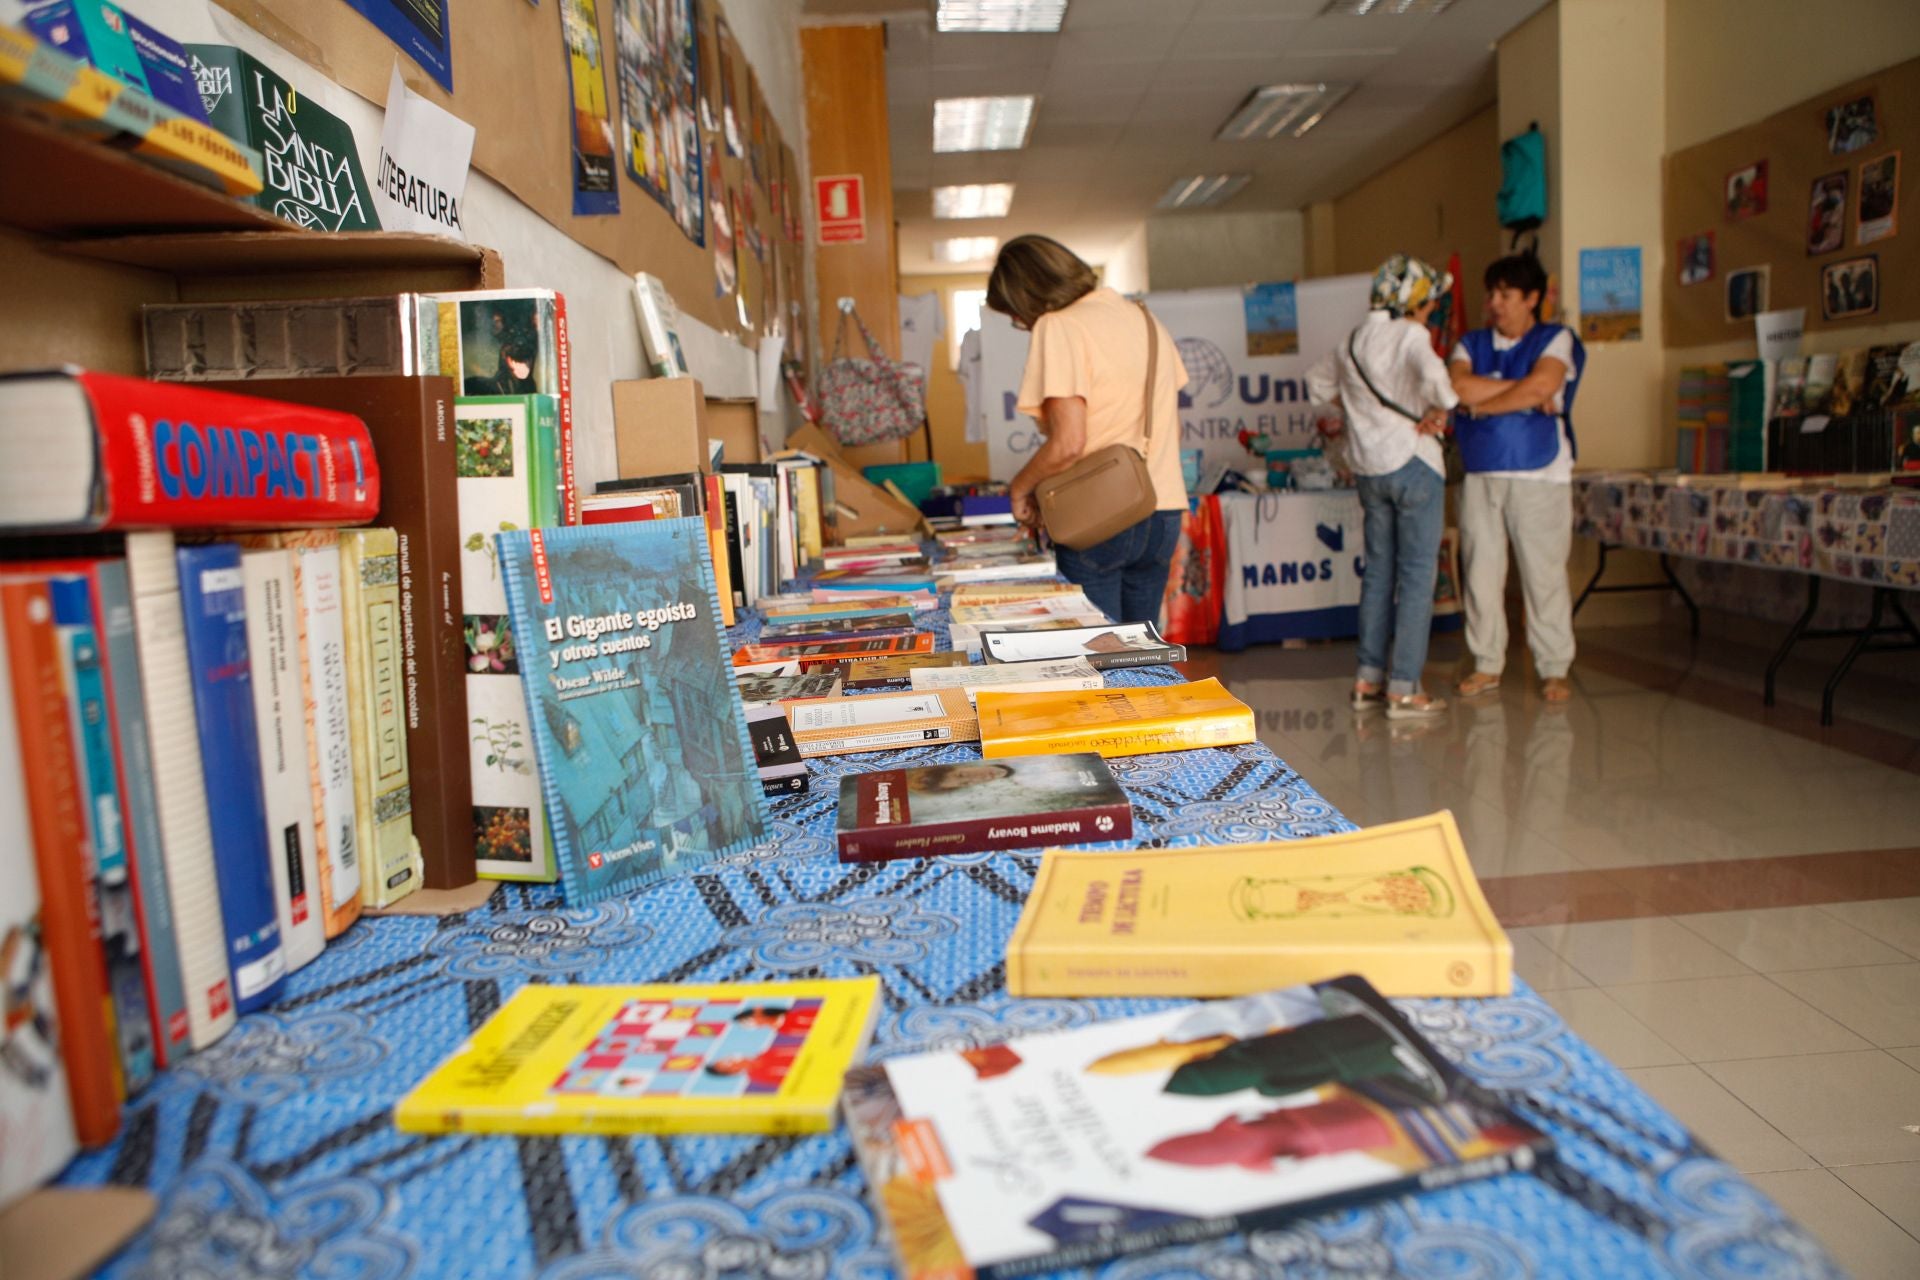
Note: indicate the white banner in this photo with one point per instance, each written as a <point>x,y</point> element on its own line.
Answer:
<point>1012,437</point>
<point>1292,552</point>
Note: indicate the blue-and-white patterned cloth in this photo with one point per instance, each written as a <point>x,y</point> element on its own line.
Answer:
<point>273,1153</point>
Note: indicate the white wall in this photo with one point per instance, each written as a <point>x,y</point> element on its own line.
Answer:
<point>1204,250</point>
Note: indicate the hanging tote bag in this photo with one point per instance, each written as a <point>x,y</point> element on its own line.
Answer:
<point>1109,490</point>
<point>872,400</point>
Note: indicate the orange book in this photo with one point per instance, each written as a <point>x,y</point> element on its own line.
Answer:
<point>62,857</point>
<point>830,653</point>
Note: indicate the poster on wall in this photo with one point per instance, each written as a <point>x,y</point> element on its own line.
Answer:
<point>1879,198</point>
<point>659,71</point>
<point>726,266</point>
<point>1747,292</point>
<point>1850,288</point>
<point>1852,125</point>
<point>596,188</point>
<point>1273,324</point>
<point>727,53</point>
<point>1696,258</point>
<point>1827,213</point>
<point>1747,191</point>
<point>419,28</point>
<point>1610,294</point>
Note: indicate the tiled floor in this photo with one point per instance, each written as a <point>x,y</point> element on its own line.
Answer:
<point>1722,899</point>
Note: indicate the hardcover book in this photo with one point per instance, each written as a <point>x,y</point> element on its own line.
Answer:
<point>761,1057</point>
<point>116,42</point>
<point>1129,644</point>
<point>783,771</point>
<point>375,652</point>
<point>639,736</point>
<point>99,451</point>
<point>213,600</point>
<point>874,673</point>
<point>1113,722</point>
<point>1052,1151</point>
<point>280,338</point>
<point>831,653</point>
<point>755,690</point>
<point>1396,903</point>
<point>881,722</point>
<point>980,806</point>
<point>1063,675</point>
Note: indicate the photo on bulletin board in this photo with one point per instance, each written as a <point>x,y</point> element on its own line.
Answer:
<point>1610,294</point>
<point>1879,198</point>
<point>596,188</point>
<point>726,267</point>
<point>1696,258</point>
<point>659,75</point>
<point>1850,288</point>
<point>1747,191</point>
<point>725,51</point>
<point>1747,292</point>
<point>1852,125</point>
<point>1827,214</point>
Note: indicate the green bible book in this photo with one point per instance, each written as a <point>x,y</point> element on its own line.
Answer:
<point>312,167</point>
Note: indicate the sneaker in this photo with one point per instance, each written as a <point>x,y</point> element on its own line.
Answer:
<point>1415,706</point>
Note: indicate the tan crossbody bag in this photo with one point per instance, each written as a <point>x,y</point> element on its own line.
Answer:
<point>1109,490</point>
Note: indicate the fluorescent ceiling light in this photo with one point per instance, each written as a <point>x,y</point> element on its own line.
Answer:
<point>1274,109</point>
<point>1202,189</point>
<point>965,249</point>
<point>1361,8</point>
<point>981,200</point>
<point>1000,15</point>
<point>981,124</point>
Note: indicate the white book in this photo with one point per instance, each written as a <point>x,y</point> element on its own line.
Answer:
<point>173,739</point>
<point>659,326</point>
<point>279,708</point>
<point>1066,675</point>
<point>329,735</point>
<point>36,1115</point>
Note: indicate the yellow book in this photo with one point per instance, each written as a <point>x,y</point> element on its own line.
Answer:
<point>764,1057</point>
<point>1113,722</point>
<point>812,535</point>
<point>1397,904</point>
<point>990,593</point>
<point>391,866</point>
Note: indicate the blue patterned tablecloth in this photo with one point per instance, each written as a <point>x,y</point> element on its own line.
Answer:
<point>273,1154</point>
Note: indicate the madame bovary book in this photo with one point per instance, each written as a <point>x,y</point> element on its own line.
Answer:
<point>639,735</point>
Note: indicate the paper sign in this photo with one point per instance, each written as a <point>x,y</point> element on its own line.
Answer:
<point>1610,294</point>
<point>422,176</point>
<point>1779,332</point>
<point>841,204</point>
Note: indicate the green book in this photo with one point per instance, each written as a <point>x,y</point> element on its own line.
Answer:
<point>312,166</point>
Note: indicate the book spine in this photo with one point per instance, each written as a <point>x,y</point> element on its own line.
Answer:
<point>714,508</point>
<point>69,914</point>
<point>173,746</point>
<point>382,795</point>
<point>1137,658</point>
<point>323,647</point>
<point>988,835</point>
<point>548,495</point>
<point>94,764</point>
<point>213,598</point>
<point>736,577</point>
<point>563,391</point>
<point>285,777</point>
<point>1113,740</point>
<point>173,455</point>
<point>140,814</point>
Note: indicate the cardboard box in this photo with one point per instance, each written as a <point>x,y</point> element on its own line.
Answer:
<point>861,506</point>
<point>735,424</point>
<point>659,427</point>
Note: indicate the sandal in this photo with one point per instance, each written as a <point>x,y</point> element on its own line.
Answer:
<point>1364,697</point>
<point>1415,706</point>
<point>1555,689</point>
<point>1476,684</point>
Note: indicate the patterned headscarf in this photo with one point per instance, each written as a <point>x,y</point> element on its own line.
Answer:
<point>1402,283</point>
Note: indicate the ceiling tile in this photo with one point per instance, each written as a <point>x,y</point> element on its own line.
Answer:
<point>1049,133</point>
<point>1113,107</point>
<point>983,82</point>
<point>1134,42</point>
<point>979,50</point>
<point>1085,15</point>
<point>1233,39</point>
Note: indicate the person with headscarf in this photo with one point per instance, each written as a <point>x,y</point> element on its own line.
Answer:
<point>1395,394</point>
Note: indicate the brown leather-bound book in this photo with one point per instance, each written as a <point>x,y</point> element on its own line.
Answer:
<point>62,859</point>
<point>411,421</point>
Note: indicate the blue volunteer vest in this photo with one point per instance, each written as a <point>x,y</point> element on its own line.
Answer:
<point>1524,441</point>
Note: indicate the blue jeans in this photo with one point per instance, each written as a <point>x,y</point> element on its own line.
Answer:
<point>1126,575</point>
<point>1405,513</point>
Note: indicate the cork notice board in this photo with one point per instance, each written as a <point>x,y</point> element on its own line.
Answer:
<point>1794,146</point>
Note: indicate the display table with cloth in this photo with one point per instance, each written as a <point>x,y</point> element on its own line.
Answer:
<point>273,1152</point>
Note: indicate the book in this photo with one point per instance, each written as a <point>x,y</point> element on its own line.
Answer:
<point>1062,675</point>
<point>179,784</point>
<point>989,593</point>
<point>755,1057</point>
<point>640,738</point>
<point>966,623</point>
<point>809,630</point>
<point>783,770</point>
<point>81,1029</point>
<point>713,510</point>
<point>286,776</point>
<point>831,653</point>
<point>616,509</point>
<point>310,160</point>
<point>274,339</point>
<point>109,39</point>
<point>954,572</point>
<point>762,689</point>
<point>1128,644</point>
<point>1397,903</point>
<point>375,652</point>
<point>213,602</point>
<point>874,673</point>
<point>1052,1151</point>
<point>1113,722</point>
<point>881,722</point>
<point>806,608</point>
<point>979,806</point>
<point>99,451</point>
<point>412,424</point>
<point>872,580</point>
<point>659,318</point>
<point>36,1111</point>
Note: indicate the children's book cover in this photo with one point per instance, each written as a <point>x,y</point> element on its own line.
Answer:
<point>639,735</point>
<point>1059,1150</point>
<point>764,1057</point>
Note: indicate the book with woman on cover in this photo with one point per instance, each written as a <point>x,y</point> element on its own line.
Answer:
<point>1059,1150</point>
<point>977,806</point>
<point>639,734</point>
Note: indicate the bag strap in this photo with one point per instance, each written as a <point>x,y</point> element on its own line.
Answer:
<point>1153,371</point>
<point>839,337</point>
<point>1362,371</point>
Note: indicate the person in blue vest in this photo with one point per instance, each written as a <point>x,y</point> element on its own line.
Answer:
<point>1516,382</point>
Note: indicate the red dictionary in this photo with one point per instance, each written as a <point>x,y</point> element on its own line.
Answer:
<point>99,451</point>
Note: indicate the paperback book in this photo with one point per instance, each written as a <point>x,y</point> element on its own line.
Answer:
<point>766,1057</point>
<point>375,657</point>
<point>639,735</point>
<point>755,690</point>
<point>881,722</point>
<point>1113,722</point>
<point>875,673</point>
<point>831,653</point>
<point>1396,903</point>
<point>1129,644</point>
<point>802,630</point>
<point>1063,675</point>
<point>1059,1150</point>
<point>783,770</point>
<point>980,806</point>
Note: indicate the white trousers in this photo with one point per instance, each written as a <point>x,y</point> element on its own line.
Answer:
<point>1536,516</point>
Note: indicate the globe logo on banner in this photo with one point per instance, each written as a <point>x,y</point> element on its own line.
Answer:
<point>1207,368</point>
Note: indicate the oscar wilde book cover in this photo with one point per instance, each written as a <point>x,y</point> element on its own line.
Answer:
<point>639,735</point>
<point>977,806</point>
